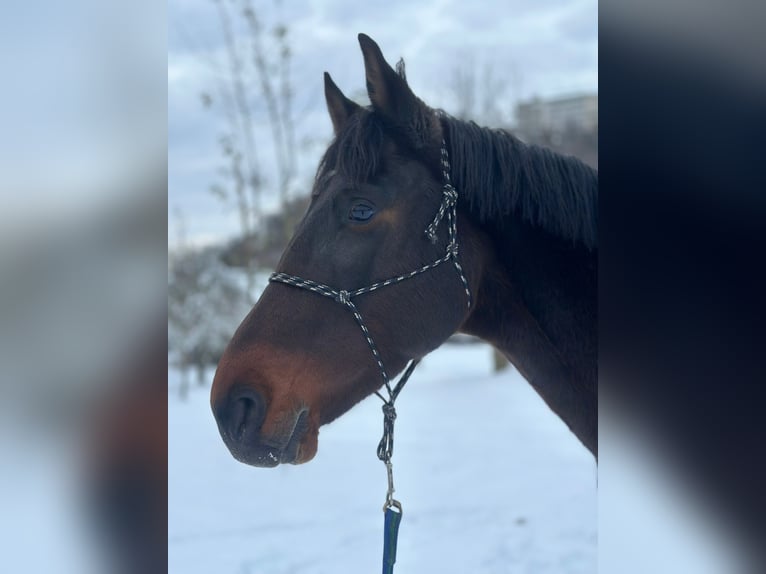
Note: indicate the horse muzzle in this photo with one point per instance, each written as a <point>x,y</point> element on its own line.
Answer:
<point>241,420</point>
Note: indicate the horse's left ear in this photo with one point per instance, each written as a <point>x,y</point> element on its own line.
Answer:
<point>392,97</point>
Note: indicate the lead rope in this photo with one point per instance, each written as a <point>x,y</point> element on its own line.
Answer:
<point>448,207</point>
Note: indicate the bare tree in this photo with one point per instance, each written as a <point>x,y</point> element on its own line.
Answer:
<point>464,88</point>
<point>480,93</point>
<point>278,98</point>
<point>258,66</point>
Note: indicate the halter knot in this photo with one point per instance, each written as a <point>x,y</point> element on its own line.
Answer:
<point>389,412</point>
<point>452,249</point>
<point>450,195</point>
<point>448,202</point>
<point>342,297</point>
<point>386,444</point>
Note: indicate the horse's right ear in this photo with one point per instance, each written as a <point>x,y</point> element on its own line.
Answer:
<point>339,106</point>
<point>392,97</point>
<point>388,91</point>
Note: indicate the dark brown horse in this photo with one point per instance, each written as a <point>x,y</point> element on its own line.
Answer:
<point>527,231</point>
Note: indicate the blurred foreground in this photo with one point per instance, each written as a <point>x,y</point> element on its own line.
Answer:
<point>83,217</point>
<point>82,392</point>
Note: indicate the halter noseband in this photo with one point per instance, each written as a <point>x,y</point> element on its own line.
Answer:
<point>448,208</point>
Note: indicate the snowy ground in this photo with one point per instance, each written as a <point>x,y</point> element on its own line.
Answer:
<point>490,481</point>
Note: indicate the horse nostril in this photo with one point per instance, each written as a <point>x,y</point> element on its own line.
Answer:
<point>246,413</point>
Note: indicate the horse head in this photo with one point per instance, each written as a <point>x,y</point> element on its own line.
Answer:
<point>300,360</point>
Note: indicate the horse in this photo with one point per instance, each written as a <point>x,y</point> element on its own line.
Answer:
<point>422,225</point>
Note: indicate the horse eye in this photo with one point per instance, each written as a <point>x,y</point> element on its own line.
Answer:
<point>361,212</point>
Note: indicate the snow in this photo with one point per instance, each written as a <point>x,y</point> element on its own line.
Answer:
<point>490,481</point>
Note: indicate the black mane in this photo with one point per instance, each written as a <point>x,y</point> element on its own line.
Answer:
<point>497,174</point>
<point>494,172</point>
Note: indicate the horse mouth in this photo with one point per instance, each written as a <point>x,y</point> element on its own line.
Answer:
<point>291,451</point>
<point>264,453</point>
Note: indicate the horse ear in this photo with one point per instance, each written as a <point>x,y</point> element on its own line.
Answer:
<point>339,106</point>
<point>391,96</point>
<point>388,91</point>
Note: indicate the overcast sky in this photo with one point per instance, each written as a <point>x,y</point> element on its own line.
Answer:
<point>536,47</point>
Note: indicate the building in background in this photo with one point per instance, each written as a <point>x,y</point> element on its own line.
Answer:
<point>567,125</point>
<point>558,115</point>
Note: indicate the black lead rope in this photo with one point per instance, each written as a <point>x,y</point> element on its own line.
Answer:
<point>386,445</point>
<point>392,508</point>
<point>448,208</point>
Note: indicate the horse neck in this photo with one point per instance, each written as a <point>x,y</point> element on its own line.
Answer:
<point>536,302</point>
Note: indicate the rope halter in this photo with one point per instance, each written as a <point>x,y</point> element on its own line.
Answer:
<point>448,210</point>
